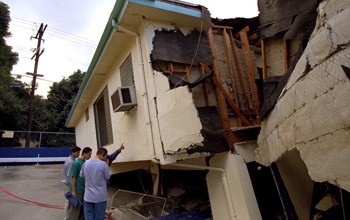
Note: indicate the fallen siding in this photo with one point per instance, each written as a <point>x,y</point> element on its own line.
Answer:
<point>178,120</point>
<point>312,114</point>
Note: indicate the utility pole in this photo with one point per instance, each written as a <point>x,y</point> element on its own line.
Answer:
<point>38,52</point>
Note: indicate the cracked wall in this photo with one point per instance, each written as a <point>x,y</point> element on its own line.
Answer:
<point>312,113</point>
<point>187,127</point>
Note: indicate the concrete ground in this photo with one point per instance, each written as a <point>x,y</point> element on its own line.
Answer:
<point>39,183</point>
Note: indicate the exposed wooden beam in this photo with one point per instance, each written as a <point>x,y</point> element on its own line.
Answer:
<point>220,97</point>
<point>205,84</point>
<point>231,102</point>
<point>239,71</point>
<point>250,69</point>
<point>229,64</point>
<point>263,57</point>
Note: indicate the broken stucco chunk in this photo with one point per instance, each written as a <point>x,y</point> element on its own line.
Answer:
<point>178,118</point>
<point>312,114</point>
<point>161,81</point>
<point>330,37</point>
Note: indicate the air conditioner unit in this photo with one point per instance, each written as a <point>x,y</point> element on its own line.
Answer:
<point>123,99</point>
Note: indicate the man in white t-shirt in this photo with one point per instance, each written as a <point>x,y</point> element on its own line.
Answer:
<point>96,173</point>
<point>65,176</point>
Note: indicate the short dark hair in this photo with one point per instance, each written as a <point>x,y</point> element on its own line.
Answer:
<point>74,149</point>
<point>102,151</point>
<point>86,150</point>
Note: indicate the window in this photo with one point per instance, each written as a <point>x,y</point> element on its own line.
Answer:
<point>103,120</point>
<point>127,72</point>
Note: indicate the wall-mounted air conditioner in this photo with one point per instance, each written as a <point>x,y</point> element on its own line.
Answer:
<point>123,99</point>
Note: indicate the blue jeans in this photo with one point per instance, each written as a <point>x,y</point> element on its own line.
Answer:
<point>95,211</point>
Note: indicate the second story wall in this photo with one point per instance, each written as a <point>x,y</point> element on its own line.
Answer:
<point>125,127</point>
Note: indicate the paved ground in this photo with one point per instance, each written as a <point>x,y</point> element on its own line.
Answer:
<point>40,183</point>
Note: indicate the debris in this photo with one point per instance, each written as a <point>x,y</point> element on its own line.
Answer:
<point>127,205</point>
<point>326,203</point>
<point>175,192</point>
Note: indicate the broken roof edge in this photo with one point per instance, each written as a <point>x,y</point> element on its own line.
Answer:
<point>112,25</point>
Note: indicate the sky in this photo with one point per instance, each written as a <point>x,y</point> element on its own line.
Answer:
<point>74,28</point>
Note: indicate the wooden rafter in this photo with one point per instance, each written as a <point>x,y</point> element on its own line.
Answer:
<point>249,63</point>
<point>229,63</point>
<point>239,72</point>
<point>220,97</point>
<point>263,57</point>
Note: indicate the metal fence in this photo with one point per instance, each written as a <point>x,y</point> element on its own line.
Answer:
<point>37,139</point>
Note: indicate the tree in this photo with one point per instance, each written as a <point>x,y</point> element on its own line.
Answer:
<point>14,94</point>
<point>49,114</point>
<point>60,99</point>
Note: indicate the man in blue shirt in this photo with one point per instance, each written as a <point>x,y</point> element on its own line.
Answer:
<point>96,173</point>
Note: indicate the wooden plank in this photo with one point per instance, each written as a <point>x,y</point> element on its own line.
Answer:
<point>231,103</point>
<point>170,67</point>
<point>250,69</point>
<point>179,71</point>
<point>221,99</point>
<point>253,37</point>
<point>263,55</point>
<point>229,64</point>
<point>187,73</point>
<point>222,27</point>
<point>230,69</point>
<point>204,84</point>
<point>227,97</point>
<point>239,71</point>
<point>237,34</point>
<point>222,105</point>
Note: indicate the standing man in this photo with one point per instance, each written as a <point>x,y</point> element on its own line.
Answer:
<point>65,176</point>
<point>96,173</point>
<point>77,185</point>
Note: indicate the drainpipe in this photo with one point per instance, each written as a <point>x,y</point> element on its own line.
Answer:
<point>143,75</point>
<point>233,215</point>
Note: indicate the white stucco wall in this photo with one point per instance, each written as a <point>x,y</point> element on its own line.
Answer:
<point>128,127</point>
<point>85,131</point>
<point>312,114</point>
<point>241,191</point>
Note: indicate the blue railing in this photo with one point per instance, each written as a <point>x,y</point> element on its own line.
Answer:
<point>33,155</point>
<point>45,147</point>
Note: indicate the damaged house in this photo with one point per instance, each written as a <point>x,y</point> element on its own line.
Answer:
<point>251,111</point>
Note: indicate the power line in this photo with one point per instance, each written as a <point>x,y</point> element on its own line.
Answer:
<point>55,29</point>
<point>56,32</point>
<point>73,35</point>
<point>18,76</point>
<point>64,37</point>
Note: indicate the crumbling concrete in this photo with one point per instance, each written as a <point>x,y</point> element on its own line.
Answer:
<point>312,113</point>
